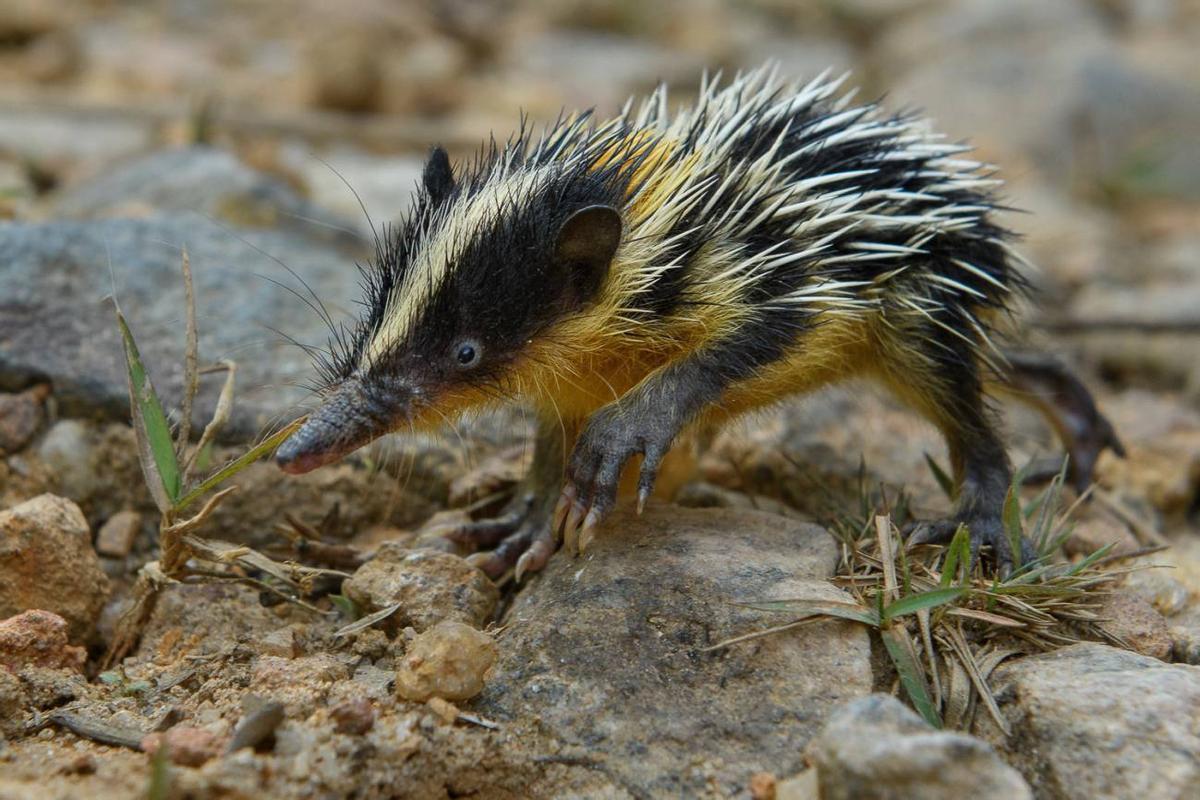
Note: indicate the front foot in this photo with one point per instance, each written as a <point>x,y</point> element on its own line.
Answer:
<point>521,537</point>
<point>984,529</point>
<point>613,436</point>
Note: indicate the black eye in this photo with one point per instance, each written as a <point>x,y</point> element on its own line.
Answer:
<point>468,354</point>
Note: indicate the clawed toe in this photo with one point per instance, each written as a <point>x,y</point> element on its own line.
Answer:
<point>935,532</point>
<point>526,550</point>
<point>983,531</point>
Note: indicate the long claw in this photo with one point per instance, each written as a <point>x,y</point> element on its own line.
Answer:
<point>559,517</point>
<point>588,533</point>
<point>571,529</point>
<point>643,496</point>
<point>522,564</point>
<point>478,560</point>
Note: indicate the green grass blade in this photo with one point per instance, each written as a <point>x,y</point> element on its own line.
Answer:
<point>263,448</point>
<point>957,554</point>
<point>918,602</point>
<point>1012,518</point>
<point>156,450</point>
<point>827,608</point>
<point>159,787</point>
<point>1092,559</point>
<point>912,677</point>
<point>939,474</point>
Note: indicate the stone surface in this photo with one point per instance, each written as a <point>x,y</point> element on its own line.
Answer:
<point>116,536</point>
<point>186,746</point>
<point>1095,722</point>
<point>12,704</point>
<point>450,661</point>
<point>876,748</point>
<point>601,69</point>
<point>384,185</point>
<point>353,717</point>
<point>1137,623</point>
<point>21,415</point>
<point>206,181</point>
<point>608,650</point>
<point>1026,78</point>
<point>1095,530</point>
<point>57,326</point>
<point>430,587</point>
<point>199,619</point>
<point>38,638</point>
<point>47,562</point>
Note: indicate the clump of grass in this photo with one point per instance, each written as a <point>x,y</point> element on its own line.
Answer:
<point>945,622</point>
<point>168,463</point>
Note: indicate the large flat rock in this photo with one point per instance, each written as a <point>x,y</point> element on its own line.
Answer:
<point>607,651</point>
<point>1091,721</point>
<point>57,324</point>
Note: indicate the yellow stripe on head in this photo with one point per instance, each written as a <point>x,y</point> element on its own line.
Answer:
<point>441,249</point>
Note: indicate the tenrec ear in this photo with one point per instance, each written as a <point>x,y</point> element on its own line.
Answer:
<point>438,176</point>
<point>588,240</point>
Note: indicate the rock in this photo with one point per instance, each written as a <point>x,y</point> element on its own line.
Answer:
<point>48,688</point>
<point>353,717</point>
<point>20,417</point>
<point>1164,473</point>
<point>56,327</point>
<point>1075,244</point>
<point>1136,623</point>
<point>799,59</point>
<point>385,185</point>
<point>1158,587</point>
<point>279,643</point>
<point>450,661</point>
<point>23,20</point>
<point>206,181</point>
<point>362,497</point>
<point>876,747</point>
<point>17,191</point>
<point>1092,721</point>
<point>763,786</point>
<point>64,136</point>
<point>117,535</point>
<point>186,746</point>
<point>12,705</point>
<point>38,638</point>
<point>699,494</point>
<point>205,618</point>
<point>608,651</point>
<point>47,562</point>
<point>344,70</point>
<point>498,473</point>
<point>1161,301</point>
<point>430,587</point>
<point>591,69</point>
<point>1045,80</point>
<point>1094,531</point>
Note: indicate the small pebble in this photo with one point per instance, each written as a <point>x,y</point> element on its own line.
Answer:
<point>20,417</point>
<point>118,533</point>
<point>186,746</point>
<point>449,661</point>
<point>429,586</point>
<point>762,786</point>
<point>38,638</point>
<point>444,709</point>
<point>353,717</point>
<point>1137,623</point>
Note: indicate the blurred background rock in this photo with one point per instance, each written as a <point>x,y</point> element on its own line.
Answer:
<point>1092,107</point>
<point>270,122</point>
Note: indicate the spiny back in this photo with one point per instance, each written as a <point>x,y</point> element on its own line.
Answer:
<point>763,202</point>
